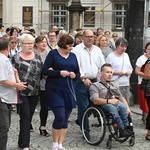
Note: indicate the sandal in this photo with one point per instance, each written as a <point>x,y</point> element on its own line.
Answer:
<point>44,132</point>
<point>13,107</point>
<point>147,137</point>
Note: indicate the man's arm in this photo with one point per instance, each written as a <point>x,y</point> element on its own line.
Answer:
<point>20,86</point>
<point>122,99</point>
<point>100,101</point>
<point>16,75</point>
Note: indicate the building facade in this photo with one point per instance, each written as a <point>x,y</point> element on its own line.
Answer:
<point>43,14</point>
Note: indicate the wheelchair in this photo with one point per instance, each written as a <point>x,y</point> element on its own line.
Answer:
<point>94,123</point>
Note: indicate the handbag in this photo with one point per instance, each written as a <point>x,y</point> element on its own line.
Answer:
<point>117,80</point>
<point>147,70</point>
<point>143,84</point>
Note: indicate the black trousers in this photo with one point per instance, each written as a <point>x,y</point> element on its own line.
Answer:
<point>27,108</point>
<point>5,119</point>
<point>148,116</point>
<point>43,110</point>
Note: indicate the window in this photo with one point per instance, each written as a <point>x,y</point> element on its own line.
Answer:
<point>89,18</point>
<point>59,15</point>
<point>119,16</point>
<point>149,19</point>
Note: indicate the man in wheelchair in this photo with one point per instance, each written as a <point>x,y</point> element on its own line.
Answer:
<point>105,94</point>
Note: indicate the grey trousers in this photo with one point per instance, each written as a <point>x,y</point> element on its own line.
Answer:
<point>5,117</point>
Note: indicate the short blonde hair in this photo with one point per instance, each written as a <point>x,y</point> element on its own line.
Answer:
<point>99,38</point>
<point>26,37</point>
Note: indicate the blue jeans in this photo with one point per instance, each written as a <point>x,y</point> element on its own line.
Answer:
<point>82,95</point>
<point>119,112</point>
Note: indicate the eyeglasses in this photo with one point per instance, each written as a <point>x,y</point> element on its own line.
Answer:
<point>51,35</point>
<point>89,37</point>
<point>13,42</point>
<point>28,43</point>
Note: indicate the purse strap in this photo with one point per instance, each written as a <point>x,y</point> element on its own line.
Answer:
<point>122,65</point>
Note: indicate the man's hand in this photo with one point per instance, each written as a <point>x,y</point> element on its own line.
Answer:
<point>87,82</point>
<point>21,86</point>
<point>129,111</point>
<point>113,101</point>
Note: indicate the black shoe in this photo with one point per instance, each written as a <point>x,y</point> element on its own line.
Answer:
<point>31,128</point>
<point>77,122</point>
<point>129,131</point>
<point>44,132</point>
<point>123,133</point>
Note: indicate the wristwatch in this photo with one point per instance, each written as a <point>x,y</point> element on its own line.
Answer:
<point>83,80</point>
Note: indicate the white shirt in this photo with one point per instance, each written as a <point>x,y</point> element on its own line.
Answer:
<point>118,65</point>
<point>90,62</point>
<point>7,94</point>
<point>139,63</point>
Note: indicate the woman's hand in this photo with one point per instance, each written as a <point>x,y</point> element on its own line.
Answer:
<point>72,75</point>
<point>64,73</point>
<point>128,73</point>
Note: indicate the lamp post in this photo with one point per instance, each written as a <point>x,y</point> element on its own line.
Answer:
<point>134,34</point>
<point>75,10</point>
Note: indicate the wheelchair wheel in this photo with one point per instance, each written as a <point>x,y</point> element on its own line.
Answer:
<point>132,141</point>
<point>94,125</point>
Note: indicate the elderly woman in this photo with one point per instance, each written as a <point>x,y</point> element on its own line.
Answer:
<point>61,69</point>
<point>28,63</point>
<point>102,43</point>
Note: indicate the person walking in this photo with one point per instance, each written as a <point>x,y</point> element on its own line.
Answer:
<point>61,69</point>
<point>41,46</point>
<point>8,88</point>
<point>90,60</point>
<point>28,63</point>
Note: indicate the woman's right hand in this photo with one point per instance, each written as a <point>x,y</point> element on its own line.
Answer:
<point>64,73</point>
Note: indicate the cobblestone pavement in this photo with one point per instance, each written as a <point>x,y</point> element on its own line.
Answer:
<point>74,139</point>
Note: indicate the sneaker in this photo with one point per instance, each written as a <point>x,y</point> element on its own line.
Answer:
<point>62,148</point>
<point>55,148</point>
<point>123,133</point>
<point>26,148</point>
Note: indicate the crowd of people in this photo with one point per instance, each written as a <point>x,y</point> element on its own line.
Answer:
<point>58,69</point>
